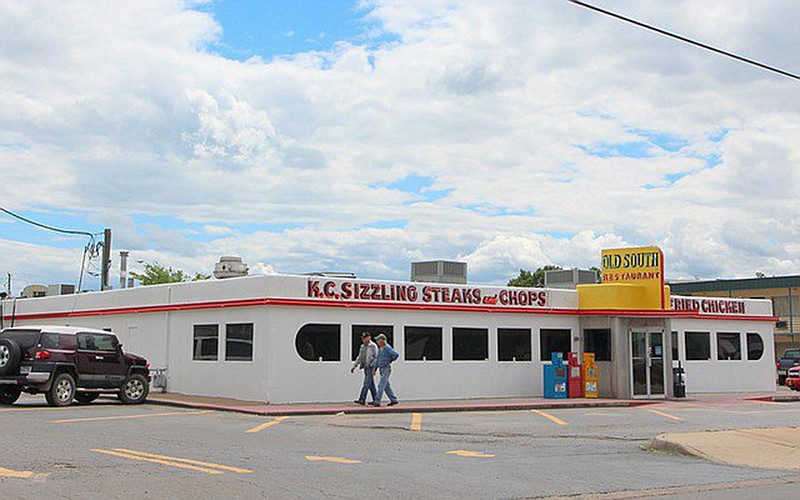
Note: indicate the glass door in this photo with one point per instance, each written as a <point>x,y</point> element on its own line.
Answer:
<point>647,363</point>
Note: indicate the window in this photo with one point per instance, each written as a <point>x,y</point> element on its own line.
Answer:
<point>698,346</point>
<point>206,343</point>
<point>423,343</point>
<point>755,346</point>
<point>598,341</point>
<point>470,344</point>
<point>781,306</point>
<point>375,330</point>
<point>56,341</point>
<point>513,344</point>
<point>97,342</point>
<point>729,346</point>
<point>551,340</point>
<point>318,342</point>
<point>675,346</point>
<point>239,342</point>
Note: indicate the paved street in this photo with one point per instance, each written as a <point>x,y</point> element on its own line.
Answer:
<point>114,451</point>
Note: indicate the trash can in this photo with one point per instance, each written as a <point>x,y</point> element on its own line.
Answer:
<point>679,381</point>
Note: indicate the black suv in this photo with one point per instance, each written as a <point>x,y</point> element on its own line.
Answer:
<point>67,363</point>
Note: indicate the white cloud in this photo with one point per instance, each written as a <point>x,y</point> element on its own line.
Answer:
<point>513,109</point>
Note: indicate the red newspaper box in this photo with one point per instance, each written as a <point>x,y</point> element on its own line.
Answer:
<point>575,375</point>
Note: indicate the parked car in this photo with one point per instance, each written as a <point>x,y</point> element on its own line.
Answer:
<point>793,378</point>
<point>789,358</point>
<point>66,363</point>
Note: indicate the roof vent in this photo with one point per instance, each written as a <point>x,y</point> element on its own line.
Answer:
<point>230,267</point>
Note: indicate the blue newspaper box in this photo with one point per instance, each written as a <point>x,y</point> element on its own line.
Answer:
<point>555,377</point>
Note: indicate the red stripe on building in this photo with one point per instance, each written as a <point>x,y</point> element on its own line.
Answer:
<point>372,305</point>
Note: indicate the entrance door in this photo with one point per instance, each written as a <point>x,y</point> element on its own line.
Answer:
<point>647,364</point>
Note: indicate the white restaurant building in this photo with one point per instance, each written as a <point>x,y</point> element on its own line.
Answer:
<point>283,338</point>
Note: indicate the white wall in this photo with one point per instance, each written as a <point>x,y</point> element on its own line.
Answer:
<point>300,380</point>
<point>717,375</point>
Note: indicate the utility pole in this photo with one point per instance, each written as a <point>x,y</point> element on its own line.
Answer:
<point>106,265</point>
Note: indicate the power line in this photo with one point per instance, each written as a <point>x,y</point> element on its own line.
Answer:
<point>50,228</point>
<point>90,249</point>
<point>687,40</point>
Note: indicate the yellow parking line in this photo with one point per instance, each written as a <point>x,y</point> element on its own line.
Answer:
<point>15,473</point>
<point>469,454</point>
<point>550,417</point>
<point>336,460</point>
<point>416,421</point>
<point>124,417</point>
<point>664,414</point>
<point>265,425</point>
<point>48,408</point>
<point>185,460</point>
<point>158,461</point>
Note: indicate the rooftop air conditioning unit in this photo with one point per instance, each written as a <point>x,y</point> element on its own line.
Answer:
<point>439,271</point>
<point>230,267</point>
<point>60,289</point>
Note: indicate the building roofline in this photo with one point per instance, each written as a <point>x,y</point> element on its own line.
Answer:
<point>724,285</point>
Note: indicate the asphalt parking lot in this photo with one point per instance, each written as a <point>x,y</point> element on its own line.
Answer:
<point>108,450</point>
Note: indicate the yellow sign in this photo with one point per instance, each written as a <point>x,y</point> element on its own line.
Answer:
<point>643,266</point>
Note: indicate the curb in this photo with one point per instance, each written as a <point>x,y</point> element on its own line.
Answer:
<point>662,444</point>
<point>779,398</point>
<point>403,408</point>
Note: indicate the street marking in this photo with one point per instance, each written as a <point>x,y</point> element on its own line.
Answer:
<point>48,408</point>
<point>664,414</point>
<point>186,460</point>
<point>469,454</point>
<point>15,473</point>
<point>416,421</point>
<point>124,417</point>
<point>336,460</point>
<point>550,417</point>
<point>180,463</point>
<point>161,462</point>
<point>265,425</point>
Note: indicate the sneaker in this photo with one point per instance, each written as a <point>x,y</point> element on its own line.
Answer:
<point>392,403</point>
<point>358,402</point>
<point>375,403</point>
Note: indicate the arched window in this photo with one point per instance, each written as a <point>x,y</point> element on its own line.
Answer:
<point>319,342</point>
<point>755,347</point>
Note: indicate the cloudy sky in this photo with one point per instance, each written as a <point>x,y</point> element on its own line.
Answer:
<point>362,135</point>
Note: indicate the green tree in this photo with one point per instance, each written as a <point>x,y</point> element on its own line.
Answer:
<point>532,279</point>
<point>157,274</point>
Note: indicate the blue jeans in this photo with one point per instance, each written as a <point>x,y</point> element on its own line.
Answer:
<point>369,385</point>
<point>385,386</point>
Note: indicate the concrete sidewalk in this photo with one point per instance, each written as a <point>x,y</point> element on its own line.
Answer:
<point>450,405</point>
<point>776,448</point>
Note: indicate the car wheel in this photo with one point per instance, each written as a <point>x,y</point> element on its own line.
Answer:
<point>86,397</point>
<point>9,394</point>
<point>9,356</point>
<point>62,391</point>
<point>781,380</point>
<point>134,390</point>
